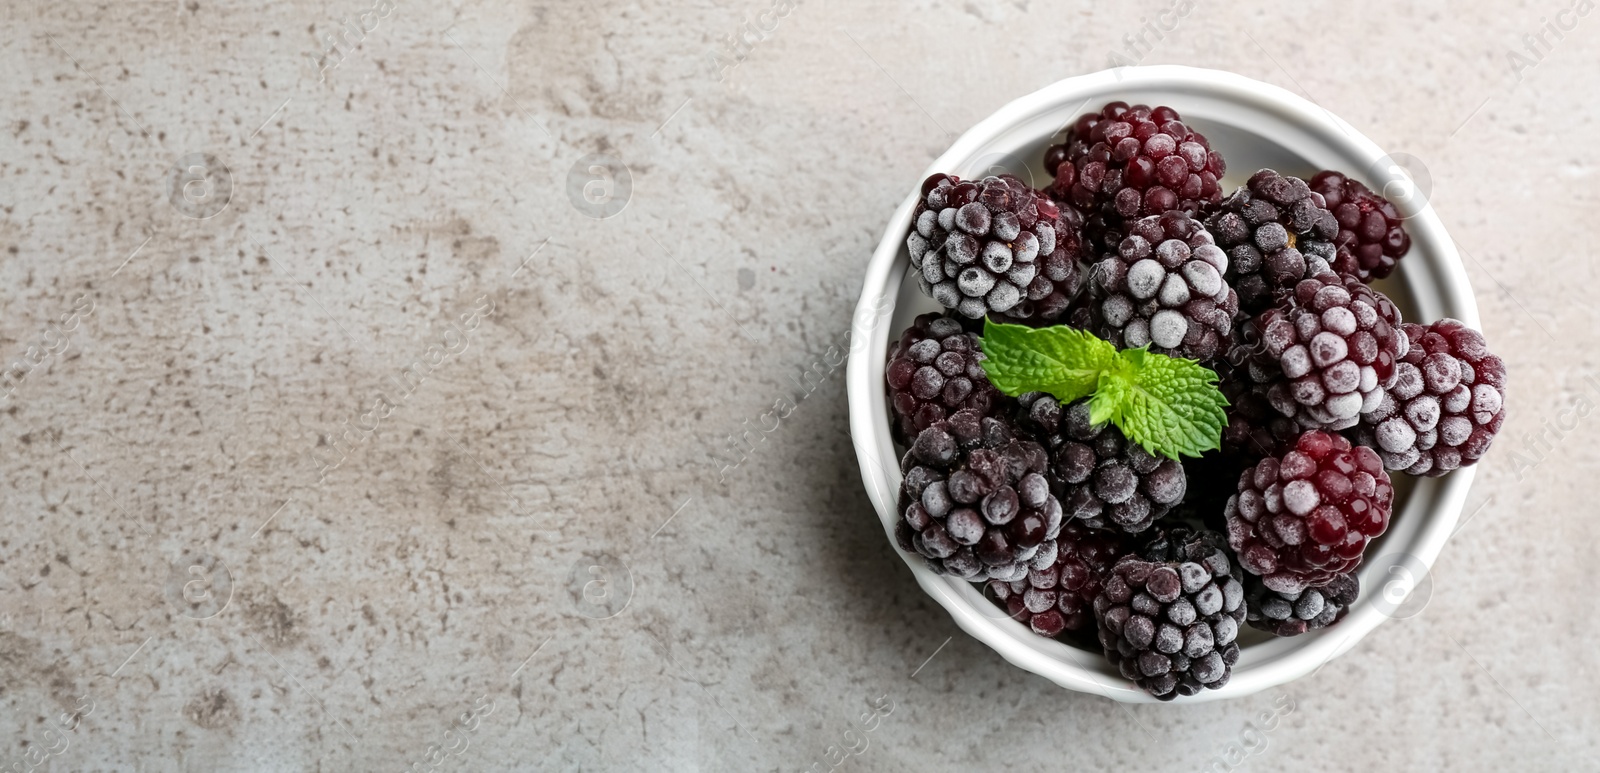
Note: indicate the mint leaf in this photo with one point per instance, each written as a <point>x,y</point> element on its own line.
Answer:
<point>1171,406</point>
<point>1111,394</point>
<point>1064,361</point>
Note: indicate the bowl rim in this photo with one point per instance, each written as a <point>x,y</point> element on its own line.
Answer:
<point>1436,501</point>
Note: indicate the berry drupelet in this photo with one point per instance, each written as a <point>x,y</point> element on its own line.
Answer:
<point>1169,618</point>
<point>1303,518</point>
<point>1445,406</point>
<point>1276,232</point>
<point>1103,480</point>
<point>980,246</point>
<point>1163,288</point>
<point>1372,236</point>
<point>934,370</point>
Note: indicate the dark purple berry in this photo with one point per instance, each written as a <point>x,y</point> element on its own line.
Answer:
<point>1276,232</point>
<point>1291,614</point>
<point>1372,236</point>
<point>1169,616</point>
<point>934,371</point>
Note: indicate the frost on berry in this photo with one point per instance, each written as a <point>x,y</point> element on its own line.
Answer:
<point>1292,613</point>
<point>1124,162</point>
<point>974,501</point>
<point>1104,481</point>
<point>1305,516</point>
<point>1372,237</point>
<point>1445,405</point>
<point>1324,353</point>
<point>1163,288</point>
<point>1063,578</point>
<point>933,371</point>
<point>1276,231</point>
<point>993,246</point>
<point>1169,616</point>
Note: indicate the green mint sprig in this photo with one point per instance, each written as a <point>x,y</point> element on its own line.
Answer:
<point>1170,406</point>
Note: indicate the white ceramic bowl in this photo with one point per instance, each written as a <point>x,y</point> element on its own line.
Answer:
<point>1253,125</point>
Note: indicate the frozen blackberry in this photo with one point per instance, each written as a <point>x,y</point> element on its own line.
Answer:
<point>1372,237</point>
<point>1276,232</point>
<point>1063,579</point>
<point>1127,162</point>
<point>974,501</point>
<point>1334,342</point>
<point>1169,619</point>
<point>1163,288</point>
<point>1445,406</point>
<point>1291,614</point>
<point>979,246</point>
<point>934,371</point>
<point>1303,518</point>
<point>1103,480</point>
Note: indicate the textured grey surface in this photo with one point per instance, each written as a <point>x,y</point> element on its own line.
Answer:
<point>430,588</point>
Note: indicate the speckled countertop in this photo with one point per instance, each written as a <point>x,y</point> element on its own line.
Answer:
<point>346,359</point>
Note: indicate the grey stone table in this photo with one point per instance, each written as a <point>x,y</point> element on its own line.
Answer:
<point>334,382</point>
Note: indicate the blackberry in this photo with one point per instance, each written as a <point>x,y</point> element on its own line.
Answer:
<point>933,372</point>
<point>978,245</point>
<point>1372,237</point>
<point>1163,288</point>
<point>1126,162</point>
<point>1169,618</point>
<point>1303,518</point>
<point>1102,479</point>
<point>1291,614</point>
<point>1445,406</point>
<point>1063,579</point>
<point>974,501</point>
<point>1276,232</point>
<point>1334,342</point>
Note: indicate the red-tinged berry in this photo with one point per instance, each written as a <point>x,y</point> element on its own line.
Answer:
<point>1169,618</point>
<point>934,370</point>
<point>974,501</point>
<point>1063,579</point>
<point>1334,343</point>
<point>1276,232</point>
<point>1103,480</point>
<point>1445,406</point>
<point>1291,614</point>
<point>1163,288</point>
<point>1372,236</point>
<point>979,247</point>
<point>1303,518</point>
<point>1126,162</point>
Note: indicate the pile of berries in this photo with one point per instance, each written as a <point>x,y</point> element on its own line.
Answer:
<point>1080,533</point>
